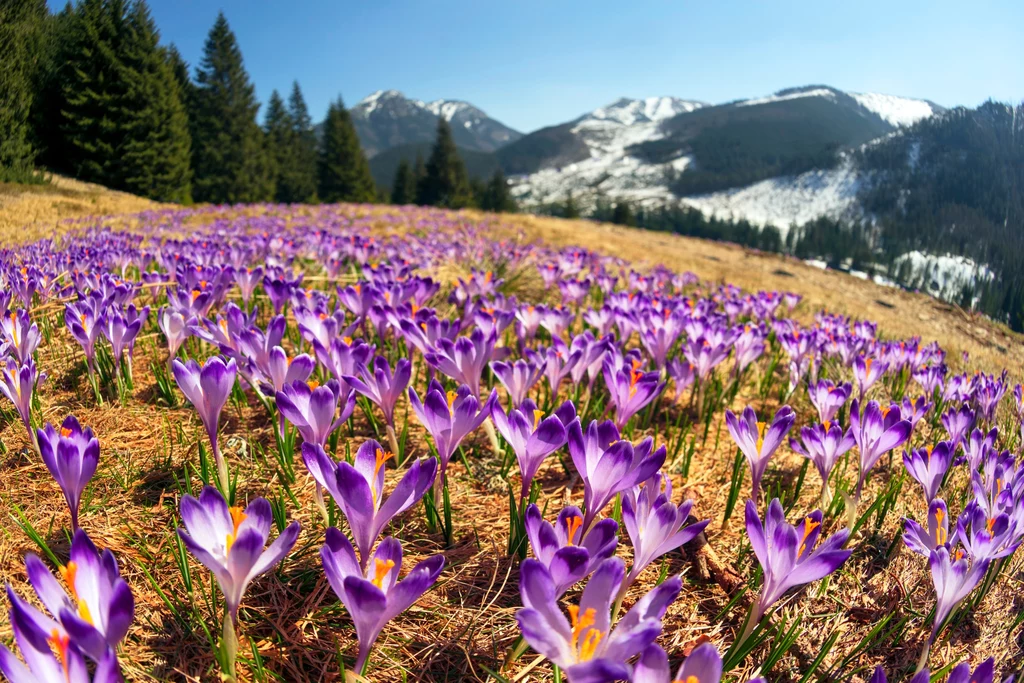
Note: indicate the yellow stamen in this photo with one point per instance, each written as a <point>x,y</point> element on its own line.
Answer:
<point>584,624</point>
<point>537,415</point>
<point>760,435</point>
<point>313,384</point>
<point>381,568</point>
<point>237,517</point>
<point>809,526</point>
<point>990,524</point>
<point>573,525</point>
<point>688,679</point>
<point>928,451</point>
<point>827,425</point>
<point>65,432</point>
<point>68,572</point>
<point>940,533</point>
<point>451,401</point>
<point>867,366</point>
<point>347,340</point>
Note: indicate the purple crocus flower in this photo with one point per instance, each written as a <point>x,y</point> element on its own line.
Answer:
<point>954,578</point>
<point>758,441</point>
<point>382,386</point>
<point>585,646</point>
<point>18,383</point>
<point>519,377</point>
<point>654,524</point>
<point>923,541</point>
<point>20,333</point>
<point>867,371</point>
<point>359,489</point>
<point>992,534</point>
<point>71,454</point>
<point>958,423</point>
<point>823,445</point>
<point>83,322</point>
<point>175,328</point>
<point>50,657</point>
<point>278,370</point>
<point>464,359</point>
<point>827,398</point>
<point>375,596</point>
<point>531,436</point>
<point>608,465</point>
<point>630,389</point>
<point>928,466</point>
<point>449,417</point>
<point>703,665</point>
<point>914,411</point>
<point>787,553</point>
<point>961,673</point>
<point>569,557</point>
<point>877,431</point>
<point>314,408</point>
<point>922,676</point>
<point>207,388</point>
<point>978,446</point>
<point>229,541</point>
<point>97,607</point>
<point>681,372</point>
<point>121,332</point>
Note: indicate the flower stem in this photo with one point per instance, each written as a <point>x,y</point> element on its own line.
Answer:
<point>229,648</point>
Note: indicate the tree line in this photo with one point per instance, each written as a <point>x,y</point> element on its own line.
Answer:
<point>90,92</point>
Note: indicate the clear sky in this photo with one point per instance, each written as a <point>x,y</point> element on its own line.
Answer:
<point>532,63</point>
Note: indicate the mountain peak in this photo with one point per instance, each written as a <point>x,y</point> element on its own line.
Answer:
<point>628,111</point>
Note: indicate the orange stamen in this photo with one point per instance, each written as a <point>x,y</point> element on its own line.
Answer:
<point>809,526</point>
<point>572,525</point>
<point>237,517</point>
<point>381,568</point>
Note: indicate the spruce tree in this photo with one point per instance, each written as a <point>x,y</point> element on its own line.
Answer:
<point>622,214</point>
<point>419,173</point>
<point>343,174</point>
<point>155,155</point>
<point>403,190</point>
<point>446,183</point>
<point>22,23</point>
<point>229,158</point>
<point>280,139</point>
<point>94,92</point>
<point>300,184</point>
<point>496,196</point>
<point>570,209</point>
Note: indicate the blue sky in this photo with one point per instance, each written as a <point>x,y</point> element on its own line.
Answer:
<point>535,63</point>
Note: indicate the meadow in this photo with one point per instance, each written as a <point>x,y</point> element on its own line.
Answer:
<point>297,443</point>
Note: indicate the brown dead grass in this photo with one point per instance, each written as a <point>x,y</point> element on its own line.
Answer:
<point>30,212</point>
<point>465,625</point>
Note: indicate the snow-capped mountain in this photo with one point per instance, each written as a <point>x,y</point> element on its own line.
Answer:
<point>601,161</point>
<point>759,159</point>
<point>387,119</point>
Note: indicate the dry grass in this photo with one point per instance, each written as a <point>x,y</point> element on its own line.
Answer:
<point>31,212</point>
<point>465,625</point>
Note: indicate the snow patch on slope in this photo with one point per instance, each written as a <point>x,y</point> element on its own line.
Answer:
<point>816,92</point>
<point>896,111</point>
<point>942,276</point>
<point>787,200</point>
<point>608,132</point>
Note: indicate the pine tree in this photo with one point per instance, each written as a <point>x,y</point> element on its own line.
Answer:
<point>403,189</point>
<point>229,158</point>
<point>570,209</point>
<point>419,173</point>
<point>446,183</point>
<point>622,214</point>
<point>179,67</point>
<point>280,138</point>
<point>496,196</point>
<point>155,155</point>
<point>94,92</point>
<point>22,23</point>
<point>343,174</point>
<point>300,184</point>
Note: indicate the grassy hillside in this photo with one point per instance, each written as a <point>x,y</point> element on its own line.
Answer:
<point>29,212</point>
